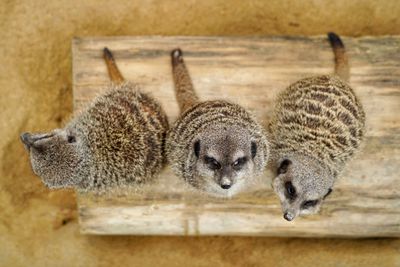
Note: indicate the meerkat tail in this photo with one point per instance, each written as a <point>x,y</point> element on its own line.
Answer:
<point>184,91</point>
<point>113,71</point>
<point>341,60</point>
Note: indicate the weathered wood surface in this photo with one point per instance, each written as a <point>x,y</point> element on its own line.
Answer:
<point>251,71</point>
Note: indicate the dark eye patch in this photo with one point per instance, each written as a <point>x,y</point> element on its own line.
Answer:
<point>253,149</point>
<point>71,139</point>
<point>238,164</point>
<point>290,190</point>
<point>309,204</point>
<point>212,163</point>
<point>196,147</point>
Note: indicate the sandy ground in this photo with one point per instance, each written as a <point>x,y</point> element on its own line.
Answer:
<point>38,227</point>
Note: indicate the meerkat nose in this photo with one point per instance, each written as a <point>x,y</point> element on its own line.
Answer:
<point>25,138</point>
<point>225,186</point>
<point>226,183</point>
<point>288,216</point>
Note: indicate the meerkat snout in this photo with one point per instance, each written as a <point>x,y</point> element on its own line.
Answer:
<point>26,140</point>
<point>226,183</point>
<point>31,140</point>
<point>224,158</point>
<point>54,156</point>
<point>288,216</point>
<point>302,185</point>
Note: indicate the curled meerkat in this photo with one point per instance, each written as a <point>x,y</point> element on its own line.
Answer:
<point>117,141</point>
<point>317,126</point>
<point>216,146</point>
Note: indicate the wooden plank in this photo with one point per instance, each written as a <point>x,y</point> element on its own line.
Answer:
<point>251,71</point>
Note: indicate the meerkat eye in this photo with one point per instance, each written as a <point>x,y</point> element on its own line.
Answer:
<point>291,190</point>
<point>253,149</point>
<point>71,139</point>
<point>284,166</point>
<point>309,204</point>
<point>238,164</point>
<point>212,163</point>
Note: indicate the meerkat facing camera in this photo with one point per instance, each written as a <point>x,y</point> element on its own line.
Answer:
<point>216,146</point>
<point>317,126</point>
<point>117,141</point>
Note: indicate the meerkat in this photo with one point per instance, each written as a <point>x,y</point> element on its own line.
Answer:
<point>317,126</point>
<point>118,140</point>
<point>215,146</point>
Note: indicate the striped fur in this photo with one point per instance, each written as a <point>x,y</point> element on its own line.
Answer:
<point>317,126</point>
<point>129,148</point>
<point>320,117</point>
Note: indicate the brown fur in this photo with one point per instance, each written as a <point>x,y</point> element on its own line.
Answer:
<point>117,141</point>
<point>341,59</point>
<point>113,71</point>
<point>217,130</point>
<point>317,126</point>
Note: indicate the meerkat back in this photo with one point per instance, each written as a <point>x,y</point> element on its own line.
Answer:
<point>216,146</point>
<point>118,140</point>
<point>318,125</point>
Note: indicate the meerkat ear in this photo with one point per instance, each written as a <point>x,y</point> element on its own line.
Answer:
<point>197,148</point>
<point>253,149</point>
<point>284,166</point>
<point>71,136</point>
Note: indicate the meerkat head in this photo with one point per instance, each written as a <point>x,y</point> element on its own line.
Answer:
<point>225,159</point>
<point>54,156</point>
<point>302,184</point>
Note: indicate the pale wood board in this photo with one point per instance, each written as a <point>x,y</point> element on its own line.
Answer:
<point>251,71</point>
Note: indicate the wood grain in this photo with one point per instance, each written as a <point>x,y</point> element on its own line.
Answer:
<point>251,71</point>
